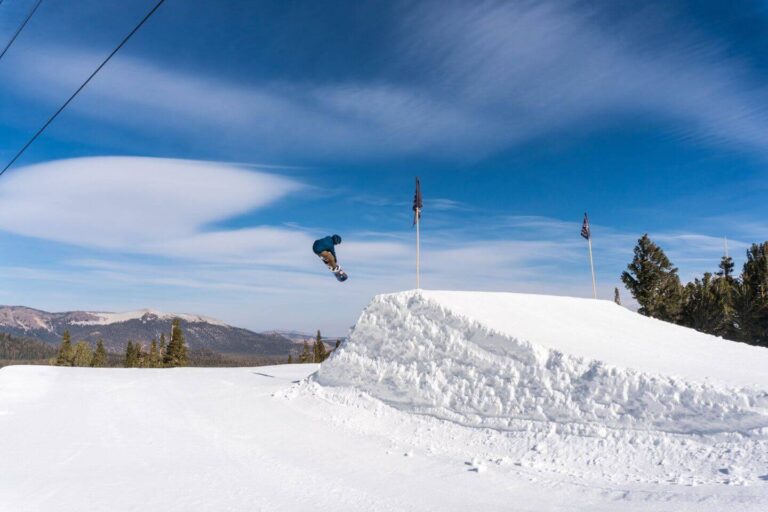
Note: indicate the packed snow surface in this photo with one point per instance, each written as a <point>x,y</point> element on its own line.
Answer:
<point>247,439</point>
<point>437,401</point>
<point>601,330</point>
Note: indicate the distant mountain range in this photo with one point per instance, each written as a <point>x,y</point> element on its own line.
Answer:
<point>294,336</point>
<point>299,337</point>
<point>116,329</point>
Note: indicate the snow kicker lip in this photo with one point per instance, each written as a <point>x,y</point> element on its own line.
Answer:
<point>413,353</point>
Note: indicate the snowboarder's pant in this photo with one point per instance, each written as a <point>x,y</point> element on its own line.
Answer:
<point>329,259</point>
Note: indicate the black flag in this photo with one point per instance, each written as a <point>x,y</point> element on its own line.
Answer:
<point>585,232</point>
<point>417,202</point>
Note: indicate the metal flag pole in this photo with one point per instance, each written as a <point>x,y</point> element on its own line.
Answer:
<point>418,249</point>
<point>592,266</point>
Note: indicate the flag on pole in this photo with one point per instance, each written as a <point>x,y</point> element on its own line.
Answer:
<point>417,206</point>
<point>585,232</point>
<point>417,202</point>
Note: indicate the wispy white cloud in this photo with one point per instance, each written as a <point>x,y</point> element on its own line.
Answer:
<point>482,77</point>
<point>534,67</point>
<point>340,120</point>
<point>444,204</point>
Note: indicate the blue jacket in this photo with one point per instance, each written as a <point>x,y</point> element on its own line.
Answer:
<point>324,244</point>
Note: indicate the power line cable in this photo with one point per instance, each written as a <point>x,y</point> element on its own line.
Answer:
<point>21,27</point>
<point>122,43</point>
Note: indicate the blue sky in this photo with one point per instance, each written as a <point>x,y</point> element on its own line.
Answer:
<point>195,170</point>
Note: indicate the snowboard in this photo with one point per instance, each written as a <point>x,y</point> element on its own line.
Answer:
<point>341,276</point>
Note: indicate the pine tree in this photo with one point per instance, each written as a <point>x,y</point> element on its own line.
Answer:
<point>290,359</point>
<point>726,267</point>
<point>66,353</point>
<point>162,349</point>
<point>725,289</point>
<point>142,358</point>
<point>616,296</point>
<point>754,278</point>
<point>169,359</point>
<point>703,307</point>
<point>318,349</point>
<point>745,314</point>
<point>653,281</point>
<point>82,354</point>
<point>176,352</point>
<point>306,355</point>
<point>99,359</point>
<point>154,360</point>
<point>130,355</point>
<point>183,355</point>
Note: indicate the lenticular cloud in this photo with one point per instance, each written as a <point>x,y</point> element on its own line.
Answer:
<point>130,202</point>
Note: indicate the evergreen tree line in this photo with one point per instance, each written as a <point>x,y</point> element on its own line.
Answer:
<point>158,356</point>
<point>24,349</point>
<point>316,353</point>
<point>719,303</point>
<point>207,358</point>
<point>80,354</point>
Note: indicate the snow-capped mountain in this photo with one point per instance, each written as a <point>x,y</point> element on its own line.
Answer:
<point>116,329</point>
<point>104,318</point>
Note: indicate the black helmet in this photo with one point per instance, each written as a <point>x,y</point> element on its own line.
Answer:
<point>336,239</point>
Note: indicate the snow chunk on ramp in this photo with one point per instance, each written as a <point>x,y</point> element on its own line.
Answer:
<point>496,359</point>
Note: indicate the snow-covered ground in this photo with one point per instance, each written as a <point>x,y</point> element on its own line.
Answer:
<point>438,401</point>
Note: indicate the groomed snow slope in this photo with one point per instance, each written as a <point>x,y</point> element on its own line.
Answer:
<point>498,359</point>
<point>253,439</point>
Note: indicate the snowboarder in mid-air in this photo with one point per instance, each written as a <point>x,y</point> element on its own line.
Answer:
<point>325,248</point>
